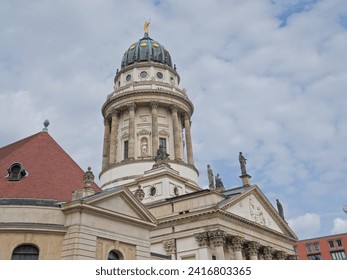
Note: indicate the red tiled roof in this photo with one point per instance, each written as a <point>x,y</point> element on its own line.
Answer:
<point>52,173</point>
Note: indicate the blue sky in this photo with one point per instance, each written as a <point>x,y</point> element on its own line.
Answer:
<point>267,78</point>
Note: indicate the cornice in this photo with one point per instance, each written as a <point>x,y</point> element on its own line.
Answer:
<point>33,227</point>
<point>139,92</point>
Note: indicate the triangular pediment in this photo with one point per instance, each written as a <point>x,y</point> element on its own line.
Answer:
<point>120,202</point>
<point>252,205</point>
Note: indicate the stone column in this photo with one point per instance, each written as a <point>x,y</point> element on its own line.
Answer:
<point>131,108</point>
<point>237,242</point>
<point>204,244</point>
<point>155,136</point>
<point>170,248</point>
<point>106,146</point>
<point>280,255</point>
<point>113,138</point>
<point>217,237</point>
<point>176,131</point>
<point>253,249</point>
<point>268,252</point>
<point>189,144</point>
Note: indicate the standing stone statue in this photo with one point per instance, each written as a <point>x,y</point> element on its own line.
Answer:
<point>219,183</point>
<point>280,208</point>
<point>243,162</point>
<point>210,177</point>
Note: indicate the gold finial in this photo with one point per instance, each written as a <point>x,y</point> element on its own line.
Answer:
<point>145,27</point>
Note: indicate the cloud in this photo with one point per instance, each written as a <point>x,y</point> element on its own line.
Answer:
<point>305,226</point>
<point>339,226</point>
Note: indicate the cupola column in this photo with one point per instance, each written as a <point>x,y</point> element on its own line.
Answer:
<point>114,137</point>
<point>155,137</point>
<point>106,146</point>
<point>176,132</point>
<point>189,144</point>
<point>131,108</point>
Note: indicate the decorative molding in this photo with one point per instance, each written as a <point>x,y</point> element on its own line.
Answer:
<point>217,237</point>
<point>170,246</point>
<point>253,247</point>
<point>202,239</point>
<point>153,105</point>
<point>237,242</point>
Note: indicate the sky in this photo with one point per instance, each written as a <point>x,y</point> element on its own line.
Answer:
<point>267,78</point>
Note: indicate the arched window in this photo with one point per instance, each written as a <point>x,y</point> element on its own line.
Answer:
<point>16,172</point>
<point>25,252</point>
<point>113,255</point>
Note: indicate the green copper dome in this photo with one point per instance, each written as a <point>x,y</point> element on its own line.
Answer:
<point>146,49</point>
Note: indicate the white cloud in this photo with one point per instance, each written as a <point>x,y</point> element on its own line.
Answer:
<point>305,226</point>
<point>339,226</point>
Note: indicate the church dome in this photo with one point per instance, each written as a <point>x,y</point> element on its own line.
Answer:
<point>146,49</point>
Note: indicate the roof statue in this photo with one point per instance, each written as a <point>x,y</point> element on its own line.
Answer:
<point>145,26</point>
<point>210,177</point>
<point>243,162</point>
<point>162,157</point>
<point>219,183</point>
<point>280,208</point>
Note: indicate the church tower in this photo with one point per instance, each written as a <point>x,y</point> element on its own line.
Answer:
<point>146,112</point>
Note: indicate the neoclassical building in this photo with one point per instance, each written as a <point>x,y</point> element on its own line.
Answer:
<point>148,204</point>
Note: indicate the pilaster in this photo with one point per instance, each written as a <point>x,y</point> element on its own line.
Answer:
<point>170,248</point>
<point>155,136</point>
<point>187,125</point>
<point>106,145</point>
<point>113,137</point>
<point>131,108</point>
<point>177,144</point>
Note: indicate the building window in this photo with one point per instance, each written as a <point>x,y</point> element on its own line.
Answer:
<point>162,142</point>
<point>160,75</point>
<point>143,74</point>
<point>113,256</point>
<point>126,149</point>
<point>339,242</point>
<point>295,249</point>
<point>16,172</point>
<point>314,257</point>
<point>316,246</point>
<point>331,243</point>
<point>25,252</point>
<point>308,248</point>
<point>338,255</point>
<point>152,191</point>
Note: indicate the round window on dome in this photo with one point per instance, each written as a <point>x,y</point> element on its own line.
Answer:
<point>160,75</point>
<point>143,74</point>
<point>128,77</point>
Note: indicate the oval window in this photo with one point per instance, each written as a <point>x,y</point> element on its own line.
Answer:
<point>128,78</point>
<point>143,74</point>
<point>153,191</point>
<point>160,75</point>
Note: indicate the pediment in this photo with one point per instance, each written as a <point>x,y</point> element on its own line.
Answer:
<point>253,206</point>
<point>122,203</point>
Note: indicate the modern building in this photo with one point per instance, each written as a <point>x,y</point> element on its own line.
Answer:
<point>149,204</point>
<point>332,247</point>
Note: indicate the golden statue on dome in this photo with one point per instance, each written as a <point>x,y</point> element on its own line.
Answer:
<point>146,25</point>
